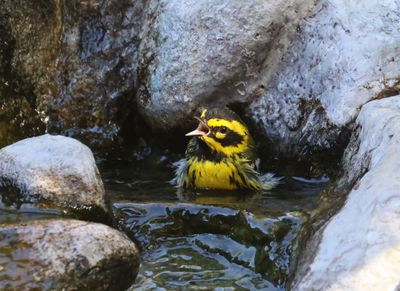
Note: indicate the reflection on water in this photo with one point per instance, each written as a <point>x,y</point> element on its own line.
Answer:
<point>16,270</point>
<point>208,239</point>
<point>13,213</point>
<point>188,244</point>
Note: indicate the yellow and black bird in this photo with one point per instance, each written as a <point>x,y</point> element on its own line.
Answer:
<point>221,155</point>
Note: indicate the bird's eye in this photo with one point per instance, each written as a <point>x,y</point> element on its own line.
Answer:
<point>223,129</point>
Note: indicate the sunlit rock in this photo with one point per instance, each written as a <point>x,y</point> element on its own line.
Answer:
<point>54,171</point>
<point>342,55</point>
<point>196,53</point>
<point>360,246</point>
<point>300,70</point>
<point>65,255</point>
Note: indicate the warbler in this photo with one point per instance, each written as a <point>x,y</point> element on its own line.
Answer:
<point>221,155</point>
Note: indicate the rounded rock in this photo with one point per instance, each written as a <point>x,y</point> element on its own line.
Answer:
<point>54,170</point>
<point>68,254</point>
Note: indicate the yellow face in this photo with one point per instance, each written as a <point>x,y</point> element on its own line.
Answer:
<point>222,131</point>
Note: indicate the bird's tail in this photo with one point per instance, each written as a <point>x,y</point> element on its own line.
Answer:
<point>269,181</point>
<point>180,171</point>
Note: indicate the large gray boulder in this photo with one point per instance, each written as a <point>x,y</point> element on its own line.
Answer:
<point>52,170</point>
<point>342,55</point>
<point>359,246</point>
<point>300,70</point>
<point>61,254</point>
<point>198,53</point>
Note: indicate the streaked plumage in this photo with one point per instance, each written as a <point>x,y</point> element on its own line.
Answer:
<point>221,155</point>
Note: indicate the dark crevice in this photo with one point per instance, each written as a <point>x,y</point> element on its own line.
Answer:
<point>18,118</point>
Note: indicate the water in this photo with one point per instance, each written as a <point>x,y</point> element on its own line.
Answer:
<point>198,240</point>
<point>202,240</point>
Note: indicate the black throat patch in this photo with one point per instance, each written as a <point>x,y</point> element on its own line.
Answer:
<point>200,150</point>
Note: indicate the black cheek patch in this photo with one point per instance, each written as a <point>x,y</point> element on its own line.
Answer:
<point>231,139</point>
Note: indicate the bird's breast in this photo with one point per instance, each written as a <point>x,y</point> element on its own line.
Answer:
<point>205,174</point>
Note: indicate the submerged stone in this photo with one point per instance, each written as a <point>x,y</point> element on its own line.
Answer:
<point>52,171</point>
<point>61,254</point>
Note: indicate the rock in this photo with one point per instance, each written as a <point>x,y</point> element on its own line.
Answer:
<point>196,53</point>
<point>65,255</point>
<point>334,64</point>
<point>55,171</point>
<point>18,117</point>
<point>364,254</point>
<point>78,58</point>
<point>299,70</point>
<point>18,120</point>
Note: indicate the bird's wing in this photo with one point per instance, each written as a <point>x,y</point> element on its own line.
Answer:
<point>254,179</point>
<point>180,179</point>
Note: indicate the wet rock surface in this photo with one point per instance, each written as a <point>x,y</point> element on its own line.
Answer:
<point>78,59</point>
<point>52,171</point>
<point>363,254</point>
<point>58,254</point>
<point>18,118</point>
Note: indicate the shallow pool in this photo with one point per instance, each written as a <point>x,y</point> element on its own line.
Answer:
<point>204,240</point>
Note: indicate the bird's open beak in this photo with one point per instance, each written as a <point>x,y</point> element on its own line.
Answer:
<point>201,130</point>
